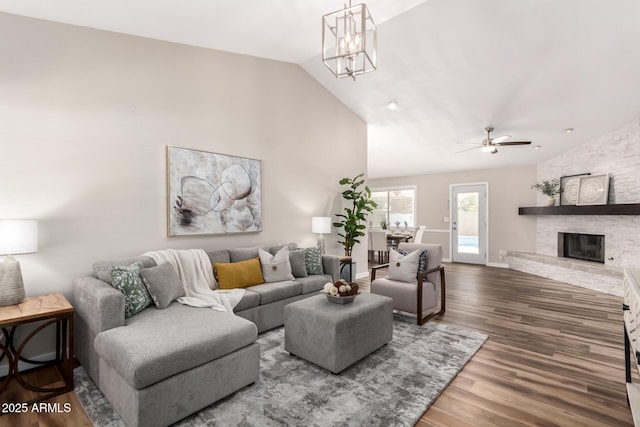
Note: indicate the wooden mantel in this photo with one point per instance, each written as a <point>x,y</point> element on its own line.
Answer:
<point>619,209</point>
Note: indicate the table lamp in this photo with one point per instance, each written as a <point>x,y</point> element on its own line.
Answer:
<point>17,236</point>
<point>321,225</point>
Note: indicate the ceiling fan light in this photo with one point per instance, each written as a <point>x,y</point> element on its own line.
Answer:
<point>488,149</point>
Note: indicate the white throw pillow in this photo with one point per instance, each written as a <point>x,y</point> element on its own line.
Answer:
<point>403,268</point>
<point>275,268</point>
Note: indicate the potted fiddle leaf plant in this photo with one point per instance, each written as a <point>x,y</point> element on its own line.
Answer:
<point>549,188</point>
<point>353,220</point>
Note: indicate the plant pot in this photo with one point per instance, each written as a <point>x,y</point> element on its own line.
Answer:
<point>551,201</point>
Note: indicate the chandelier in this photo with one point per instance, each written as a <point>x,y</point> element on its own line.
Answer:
<point>349,41</point>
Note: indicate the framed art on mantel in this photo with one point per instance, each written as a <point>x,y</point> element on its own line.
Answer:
<point>569,187</point>
<point>594,190</point>
<point>210,193</point>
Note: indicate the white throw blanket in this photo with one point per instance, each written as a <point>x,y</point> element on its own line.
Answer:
<point>196,275</point>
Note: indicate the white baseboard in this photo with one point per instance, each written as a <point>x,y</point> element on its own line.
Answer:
<point>446,260</point>
<point>23,366</point>
<point>362,275</point>
<point>497,264</point>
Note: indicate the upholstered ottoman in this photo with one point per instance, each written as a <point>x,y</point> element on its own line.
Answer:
<point>336,336</point>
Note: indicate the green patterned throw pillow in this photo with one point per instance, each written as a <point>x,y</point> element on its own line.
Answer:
<point>127,280</point>
<point>313,260</point>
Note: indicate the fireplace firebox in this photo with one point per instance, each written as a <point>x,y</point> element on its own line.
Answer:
<point>588,247</point>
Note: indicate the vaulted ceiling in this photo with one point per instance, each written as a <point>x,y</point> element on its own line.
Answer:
<point>529,68</point>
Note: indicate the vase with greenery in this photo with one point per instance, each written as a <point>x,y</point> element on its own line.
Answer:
<point>549,188</point>
<point>353,220</point>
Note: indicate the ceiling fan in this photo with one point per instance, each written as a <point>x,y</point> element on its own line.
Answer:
<point>490,145</point>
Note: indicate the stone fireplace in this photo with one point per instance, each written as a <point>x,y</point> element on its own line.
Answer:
<point>621,160</point>
<point>587,247</point>
<point>604,274</point>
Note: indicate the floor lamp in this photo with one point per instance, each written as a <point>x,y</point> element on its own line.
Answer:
<point>17,236</point>
<point>321,225</point>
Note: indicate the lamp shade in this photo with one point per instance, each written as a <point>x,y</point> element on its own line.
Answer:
<point>18,236</point>
<point>321,224</point>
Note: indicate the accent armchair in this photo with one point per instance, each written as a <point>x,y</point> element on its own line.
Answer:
<point>417,292</point>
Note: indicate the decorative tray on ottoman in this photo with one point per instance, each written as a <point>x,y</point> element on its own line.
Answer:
<point>340,300</point>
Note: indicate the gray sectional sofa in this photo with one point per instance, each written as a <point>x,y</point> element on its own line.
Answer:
<point>160,366</point>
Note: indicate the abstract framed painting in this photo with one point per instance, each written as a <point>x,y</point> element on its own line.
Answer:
<point>211,193</point>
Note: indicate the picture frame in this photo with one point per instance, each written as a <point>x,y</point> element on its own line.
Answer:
<point>569,189</point>
<point>593,190</point>
<point>211,194</point>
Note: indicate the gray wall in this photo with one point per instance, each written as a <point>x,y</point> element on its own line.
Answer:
<point>85,116</point>
<point>509,188</point>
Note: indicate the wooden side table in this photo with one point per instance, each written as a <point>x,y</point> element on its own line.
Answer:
<point>49,309</point>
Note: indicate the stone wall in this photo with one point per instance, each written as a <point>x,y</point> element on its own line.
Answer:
<point>618,154</point>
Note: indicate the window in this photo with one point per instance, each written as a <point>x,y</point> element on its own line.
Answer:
<point>394,205</point>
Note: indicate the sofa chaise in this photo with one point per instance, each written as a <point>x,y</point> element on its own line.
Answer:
<point>161,365</point>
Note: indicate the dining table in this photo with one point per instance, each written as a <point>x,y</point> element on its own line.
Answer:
<point>395,239</point>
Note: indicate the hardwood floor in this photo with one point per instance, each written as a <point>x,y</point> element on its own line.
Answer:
<point>555,356</point>
<point>62,411</point>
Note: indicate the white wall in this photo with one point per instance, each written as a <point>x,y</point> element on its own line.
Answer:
<point>509,188</point>
<point>85,116</point>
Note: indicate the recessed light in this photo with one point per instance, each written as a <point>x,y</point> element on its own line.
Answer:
<point>393,105</point>
<point>568,130</point>
<point>537,147</point>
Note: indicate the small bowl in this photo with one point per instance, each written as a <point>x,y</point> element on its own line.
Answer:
<point>341,300</point>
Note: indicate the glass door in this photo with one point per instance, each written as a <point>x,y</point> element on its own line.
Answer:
<point>469,223</point>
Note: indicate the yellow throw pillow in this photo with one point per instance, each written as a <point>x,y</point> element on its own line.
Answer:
<point>239,274</point>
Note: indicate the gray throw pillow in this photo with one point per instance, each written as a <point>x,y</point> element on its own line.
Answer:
<point>219,255</point>
<point>313,260</point>
<point>275,268</point>
<point>163,284</point>
<point>242,254</point>
<point>274,249</point>
<point>127,280</point>
<point>298,268</point>
<point>103,267</point>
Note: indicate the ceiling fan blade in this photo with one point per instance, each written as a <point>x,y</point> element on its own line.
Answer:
<point>468,149</point>
<point>494,151</point>
<point>500,139</point>
<point>513,143</point>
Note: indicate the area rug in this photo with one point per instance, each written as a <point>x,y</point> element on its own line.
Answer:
<point>391,387</point>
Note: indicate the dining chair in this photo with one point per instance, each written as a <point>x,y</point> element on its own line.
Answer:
<point>419,232</point>
<point>378,244</point>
